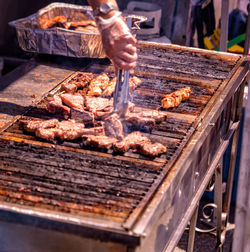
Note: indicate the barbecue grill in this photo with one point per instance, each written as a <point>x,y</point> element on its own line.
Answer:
<point>134,202</point>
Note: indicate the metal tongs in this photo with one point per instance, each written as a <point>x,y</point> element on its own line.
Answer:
<point>121,94</point>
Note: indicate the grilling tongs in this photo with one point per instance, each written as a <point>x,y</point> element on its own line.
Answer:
<point>121,94</point>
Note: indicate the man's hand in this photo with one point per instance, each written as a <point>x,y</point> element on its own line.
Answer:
<point>118,42</point>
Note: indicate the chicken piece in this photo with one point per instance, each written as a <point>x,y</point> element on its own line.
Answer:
<point>103,142</point>
<point>98,84</point>
<point>110,88</point>
<point>94,104</point>
<point>82,115</point>
<point>151,149</point>
<point>113,127</point>
<point>134,82</point>
<point>55,106</point>
<point>32,126</point>
<point>73,100</point>
<point>174,99</point>
<point>132,140</point>
<point>53,22</point>
<point>158,116</point>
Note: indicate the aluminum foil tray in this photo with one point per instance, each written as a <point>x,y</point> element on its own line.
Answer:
<point>61,41</point>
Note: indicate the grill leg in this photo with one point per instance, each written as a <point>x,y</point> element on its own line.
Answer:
<point>191,234</point>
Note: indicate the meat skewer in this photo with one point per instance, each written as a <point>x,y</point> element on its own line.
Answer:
<point>174,99</point>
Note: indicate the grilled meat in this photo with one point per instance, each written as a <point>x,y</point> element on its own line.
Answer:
<point>95,131</point>
<point>151,149</point>
<point>110,88</point>
<point>55,106</point>
<point>73,100</point>
<point>134,82</point>
<point>136,120</point>
<point>132,140</point>
<point>98,84</point>
<point>113,127</point>
<point>47,134</point>
<point>32,126</point>
<point>158,116</point>
<point>94,104</point>
<point>81,115</point>
<point>57,21</point>
<point>80,81</point>
<point>103,142</point>
<point>174,99</point>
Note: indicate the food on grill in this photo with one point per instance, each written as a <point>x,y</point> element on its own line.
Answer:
<point>94,104</point>
<point>98,84</point>
<point>138,121</point>
<point>55,106</point>
<point>80,81</point>
<point>113,127</point>
<point>134,82</point>
<point>81,115</point>
<point>174,99</point>
<point>107,88</point>
<point>132,140</point>
<point>103,142</point>
<point>73,100</point>
<point>32,125</point>
<point>110,88</point>
<point>151,149</point>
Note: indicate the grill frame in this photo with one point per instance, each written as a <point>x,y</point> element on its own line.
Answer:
<point>204,124</point>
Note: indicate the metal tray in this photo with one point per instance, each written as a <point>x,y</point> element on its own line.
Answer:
<point>61,41</point>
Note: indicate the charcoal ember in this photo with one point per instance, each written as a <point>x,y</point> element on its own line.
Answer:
<point>103,142</point>
<point>113,127</point>
<point>81,115</point>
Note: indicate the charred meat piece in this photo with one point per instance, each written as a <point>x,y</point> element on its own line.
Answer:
<point>132,140</point>
<point>57,21</point>
<point>136,120</point>
<point>94,104</point>
<point>174,99</point>
<point>32,126</point>
<point>80,81</point>
<point>151,149</point>
<point>98,84</point>
<point>113,127</point>
<point>73,100</point>
<point>81,115</point>
<point>55,106</point>
<point>103,142</point>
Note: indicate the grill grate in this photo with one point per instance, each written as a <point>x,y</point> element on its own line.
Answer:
<point>68,177</point>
